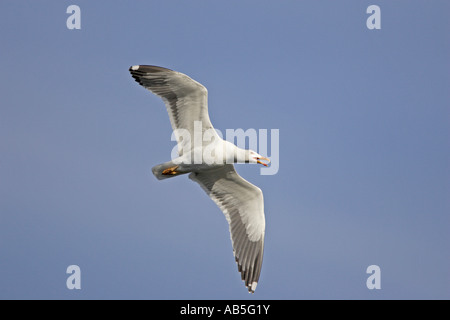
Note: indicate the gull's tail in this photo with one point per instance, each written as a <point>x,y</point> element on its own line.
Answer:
<point>166,170</point>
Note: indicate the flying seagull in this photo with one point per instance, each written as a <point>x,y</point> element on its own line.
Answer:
<point>241,202</point>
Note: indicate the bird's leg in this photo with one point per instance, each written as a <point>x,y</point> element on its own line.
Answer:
<point>170,171</point>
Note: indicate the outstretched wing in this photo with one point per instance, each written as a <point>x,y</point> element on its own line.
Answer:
<point>243,206</point>
<point>186,100</point>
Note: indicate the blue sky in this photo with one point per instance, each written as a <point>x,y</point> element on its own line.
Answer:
<point>364,175</point>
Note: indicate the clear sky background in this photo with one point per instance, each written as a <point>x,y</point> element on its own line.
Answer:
<point>364,174</point>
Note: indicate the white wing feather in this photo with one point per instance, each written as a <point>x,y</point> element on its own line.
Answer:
<point>243,206</point>
<point>186,100</point>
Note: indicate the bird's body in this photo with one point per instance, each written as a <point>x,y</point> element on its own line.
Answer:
<point>210,164</point>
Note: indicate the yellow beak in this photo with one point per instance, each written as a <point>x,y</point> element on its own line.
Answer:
<point>263,158</point>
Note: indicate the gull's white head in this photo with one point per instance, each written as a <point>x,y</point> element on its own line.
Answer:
<point>240,155</point>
